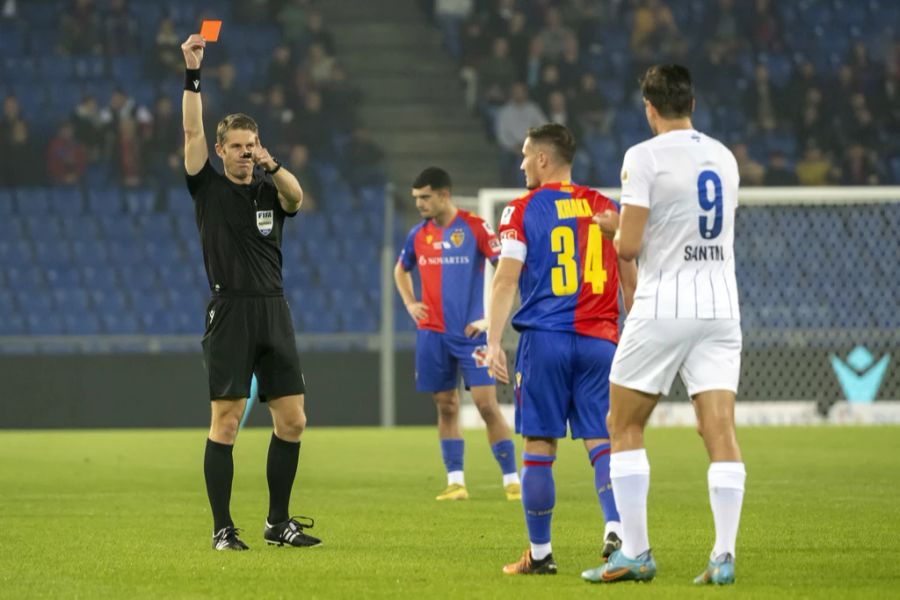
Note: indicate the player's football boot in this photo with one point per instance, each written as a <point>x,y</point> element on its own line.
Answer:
<point>529,566</point>
<point>513,491</point>
<point>454,491</point>
<point>621,568</point>
<point>719,571</point>
<point>227,539</point>
<point>610,545</point>
<point>290,533</point>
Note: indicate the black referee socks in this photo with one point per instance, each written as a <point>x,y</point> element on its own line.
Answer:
<point>280,471</point>
<point>218,468</point>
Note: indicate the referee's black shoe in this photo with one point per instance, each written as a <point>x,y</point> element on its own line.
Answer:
<point>290,533</point>
<point>227,539</point>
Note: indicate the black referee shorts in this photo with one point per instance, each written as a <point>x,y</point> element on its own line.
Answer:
<point>246,335</point>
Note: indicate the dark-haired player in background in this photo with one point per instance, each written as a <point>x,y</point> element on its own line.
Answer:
<point>248,323</point>
<point>557,248</point>
<point>450,248</point>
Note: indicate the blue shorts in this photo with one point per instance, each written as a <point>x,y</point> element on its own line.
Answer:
<point>562,378</point>
<point>440,357</point>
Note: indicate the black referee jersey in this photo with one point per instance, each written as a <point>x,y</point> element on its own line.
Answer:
<point>240,232</point>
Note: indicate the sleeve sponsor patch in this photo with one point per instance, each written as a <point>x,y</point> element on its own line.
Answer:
<point>509,234</point>
<point>506,217</point>
<point>494,243</point>
<point>487,227</point>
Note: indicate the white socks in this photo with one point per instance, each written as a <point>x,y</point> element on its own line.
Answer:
<point>456,477</point>
<point>540,551</point>
<point>726,494</point>
<point>630,474</point>
<point>510,478</point>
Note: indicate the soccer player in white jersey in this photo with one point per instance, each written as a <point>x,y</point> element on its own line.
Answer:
<point>679,194</point>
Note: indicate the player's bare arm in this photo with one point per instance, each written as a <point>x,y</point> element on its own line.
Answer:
<point>628,276</point>
<point>503,293</point>
<point>195,150</point>
<point>628,238</point>
<point>290,194</point>
<point>608,221</point>
<point>403,280</point>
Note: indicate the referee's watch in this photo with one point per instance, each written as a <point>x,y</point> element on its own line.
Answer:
<point>273,171</point>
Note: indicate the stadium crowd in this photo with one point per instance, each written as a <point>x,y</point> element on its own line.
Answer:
<point>805,92</point>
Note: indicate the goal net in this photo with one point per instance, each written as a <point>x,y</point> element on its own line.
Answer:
<point>818,272</point>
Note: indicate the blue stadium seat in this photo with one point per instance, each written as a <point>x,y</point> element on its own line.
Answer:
<point>140,201</point>
<point>162,322</point>
<point>62,276</point>
<point>15,253</point>
<point>91,253</point>
<point>32,201</point>
<point>85,323</point>
<point>7,202</point>
<point>13,323</point>
<point>67,201</point>
<point>41,227</point>
<point>52,251</point>
<point>108,300</point>
<point>119,323</point>
<point>126,252</point>
<point>104,201</point>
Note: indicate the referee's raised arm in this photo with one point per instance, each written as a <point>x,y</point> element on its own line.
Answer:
<point>195,150</point>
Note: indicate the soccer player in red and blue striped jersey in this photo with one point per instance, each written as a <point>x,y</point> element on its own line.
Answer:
<point>450,248</point>
<point>557,248</point>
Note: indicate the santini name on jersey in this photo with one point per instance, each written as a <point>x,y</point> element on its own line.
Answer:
<point>704,253</point>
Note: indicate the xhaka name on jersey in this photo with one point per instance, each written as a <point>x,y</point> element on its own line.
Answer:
<point>704,253</point>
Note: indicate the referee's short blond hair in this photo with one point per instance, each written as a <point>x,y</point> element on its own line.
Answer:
<point>235,121</point>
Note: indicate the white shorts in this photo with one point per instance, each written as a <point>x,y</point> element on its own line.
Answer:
<point>706,352</point>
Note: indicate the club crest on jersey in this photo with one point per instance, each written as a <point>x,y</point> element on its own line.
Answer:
<point>265,219</point>
<point>480,356</point>
<point>458,237</point>
<point>428,238</point>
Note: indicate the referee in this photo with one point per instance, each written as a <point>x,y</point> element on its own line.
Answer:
<point>248,323</point>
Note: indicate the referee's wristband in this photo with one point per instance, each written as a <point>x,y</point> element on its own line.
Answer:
<point>275,170</point>
<point>192,80</point>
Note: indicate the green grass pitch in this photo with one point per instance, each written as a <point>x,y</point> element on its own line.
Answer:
<point>123,514</point>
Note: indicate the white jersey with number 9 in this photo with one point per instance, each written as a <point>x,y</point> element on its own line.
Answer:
<point>689,182</point>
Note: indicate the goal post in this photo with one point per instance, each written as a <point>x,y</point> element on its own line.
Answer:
<point>819,281</point>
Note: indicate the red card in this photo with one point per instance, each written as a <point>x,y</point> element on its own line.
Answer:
<point>209,30</point>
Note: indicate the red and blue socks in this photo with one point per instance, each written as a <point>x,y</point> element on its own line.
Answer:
<point>538,499</point>
<point>600,456</point>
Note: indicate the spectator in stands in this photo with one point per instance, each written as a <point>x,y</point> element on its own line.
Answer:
<point>591,108</point>
<point>292,18</point>
<point>12,114</point>
<point>558,112</point>
<point>519,40</point>
<point>90,127</point>
<point>761,100</point>
<point>473,43</point>
<point>21,163</point>
<point>496,73</point>
<point>256,12</point>
<point>513,121</point>
<point>723,28</point>
<point>449,16</point>
<point>764,27</point>
<point>316,33</point>
<point>805,79</point>
<point>815,168</point>
<point>341,97</point>
<point>364,161</point>
<point>319,65</point>
<point>80,29</point>
<point>554,34</point>
<point>66,157</point>
<point>569,65</point>
<point>860,166</point>
<point>127,153</point>
<point>168,52</point>
<point>298,164</point>
<point>120,30</point>
<point>312,127</point>
<point>534,62</point>
<point>751,171</point>
<point>277,120</point>
<point>281,67</point>
<point>778,172</point>
<point>862,127</point>
<point>163,142</point>
<point>498,17</point>
<point>550,82</point>
<point>232,97</point>
<point>654,27</point>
